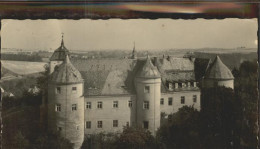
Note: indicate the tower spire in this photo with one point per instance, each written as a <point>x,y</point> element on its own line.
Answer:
<point>62,42</point>
<point>134,55</point>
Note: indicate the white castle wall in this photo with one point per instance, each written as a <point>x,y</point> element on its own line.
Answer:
<point>176,101</point>
<point>124,114</point>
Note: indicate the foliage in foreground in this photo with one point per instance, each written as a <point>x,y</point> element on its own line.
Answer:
<point>130,138</point>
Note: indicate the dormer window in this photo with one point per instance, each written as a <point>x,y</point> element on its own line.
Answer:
<point>179,85</point>
<point>183,85</point>
<point>170,86</point>
<point>176,85</point>
<point>188,84</point>
<point>193,84</point>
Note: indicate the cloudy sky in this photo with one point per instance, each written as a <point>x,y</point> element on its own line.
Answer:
<point>120,34</point>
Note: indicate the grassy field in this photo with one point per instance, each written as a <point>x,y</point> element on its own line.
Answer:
<point>23,67</point>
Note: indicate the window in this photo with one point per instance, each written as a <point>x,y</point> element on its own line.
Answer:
<point>147,89</point>
<point>188,84</point>
<point>59,128</point>
<point>170,101</point>
<point>99,124</point>
<point>146,124</point>
<point>115,104</point>
<point>74,107</point>
<point>182,99</point>
<point>179,85</point>
<point>74,89</point>
<point>88,105</point>
<point>58,90</point>
<point>193,84</point>
<point>170,86</point>
<point>146,105</point>
<point>99,105</point>
<point>115,123</point>
<point>58,107</point>
<point>194,98</point>
<point>130,104</point>
<point>77,127</point>
<point>88,124</point>
<point>176,85</point>
<point>162,101</point>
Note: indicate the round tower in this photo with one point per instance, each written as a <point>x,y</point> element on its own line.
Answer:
<point>66,103</point>
<point>58,56</point>
<point>148,92</point>
<point>218,74</point>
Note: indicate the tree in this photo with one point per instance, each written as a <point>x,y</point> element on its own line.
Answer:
<point>52,141</point>
<point>19,141</point>
<point>135,138</point>
<point>182,130</point>
<point>247,94</point>
<point>219,117</point>
<point>42,81</point>
<point>100,141</point>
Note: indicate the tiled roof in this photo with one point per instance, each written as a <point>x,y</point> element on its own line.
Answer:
<point>181,76</point>
<point>173,63</point>
<point>218,70</point>
<point>148,70</point>
<point>116,76</point>
<point>107,76</point>
<point>66,73</point>
<point>60,53</point>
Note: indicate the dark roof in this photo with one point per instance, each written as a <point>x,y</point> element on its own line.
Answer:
<point>200,67</point>
<point>218,70</point>
<point>181,76</point>
<point>148,70</point>
<point>60,53</point>
<point>66,73</point>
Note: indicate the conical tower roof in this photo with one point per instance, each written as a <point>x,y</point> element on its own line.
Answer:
<point>66,73</point>
<point>218,70</point>
<point>60,53</point>
<point>148,70</point>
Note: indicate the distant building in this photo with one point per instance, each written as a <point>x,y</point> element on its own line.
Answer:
<point>88,96</point>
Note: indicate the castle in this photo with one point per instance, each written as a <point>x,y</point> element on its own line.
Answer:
<point>88,96</point>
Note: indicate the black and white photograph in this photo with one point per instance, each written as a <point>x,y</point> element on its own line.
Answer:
<point>129,84</point>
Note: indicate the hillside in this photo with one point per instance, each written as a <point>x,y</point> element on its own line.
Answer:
<point>232,60</point>
<point>23,67</point>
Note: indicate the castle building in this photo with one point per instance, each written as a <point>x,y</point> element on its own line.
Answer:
<point>89,96</point>
<point>218,74</point>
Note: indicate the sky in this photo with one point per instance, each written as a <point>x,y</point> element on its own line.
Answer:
<point>121,34</point>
